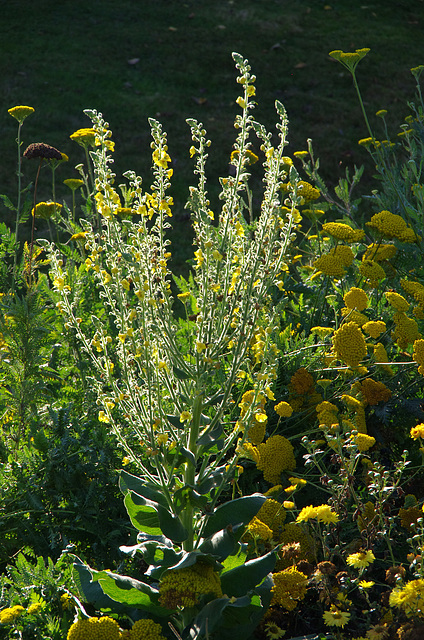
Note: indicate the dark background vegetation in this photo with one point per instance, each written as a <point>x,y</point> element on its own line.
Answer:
<point>171,60</point>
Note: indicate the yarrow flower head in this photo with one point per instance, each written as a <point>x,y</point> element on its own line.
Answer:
<point>417,432</point>
<point>42,150</point>
<point>356,298</point>
<point>94,628</point>
<point>392,225</point>
<point>183,587</point>
<point>349,60</point>
<point>276,456</point>
<point>45,210</point>
<point>20,112</point>
<point>85,137</point>
<point>289,587</point>
<point>343,231</point>
<point>349,344</point>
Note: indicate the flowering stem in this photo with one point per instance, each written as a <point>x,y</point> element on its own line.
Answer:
<point>364,113</point>
<point>18,206</point>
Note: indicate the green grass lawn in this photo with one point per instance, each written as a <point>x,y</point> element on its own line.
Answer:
<point>172,60</point>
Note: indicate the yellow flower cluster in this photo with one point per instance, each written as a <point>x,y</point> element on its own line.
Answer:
<point>343,232</point>
<point>409,598</point>
<point>397,301</point>
<point>183,587</point>
<point>103,628</point>
<point>380,252</point>
<point>356,298</point>
<point>327,415</point>
<point>334,263</point>
<point>258,419</point>
<point>283,409</point>
<point>374,328</point>
<point>391,225</point>
<point>417,432</point>
<point>145,630</point>
<point>357,406</point>
<point>349,344</point>
<point>418,355</point>
<point>45,210</point>
<point>322,513</point>
<point>374,392</point>
<point>85,137</point>
<point>372,272</point>
<point>275,456</point>
<point>364,442</point>
<point>10,614</point>
<point>405,331</point>
<point>259,529</point>
<point>273,515</point>
<point>301,382</point>
<point>380,356</point>
<point>20,112</point>
<point>289,587</point>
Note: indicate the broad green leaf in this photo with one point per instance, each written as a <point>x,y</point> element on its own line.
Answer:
<point>132,593</point>
<point>238,511</point>
<point>247,576</point>
<point>222,544</point>
<point>130,482</point>
<point>143,517</point>
<point>233,561</point>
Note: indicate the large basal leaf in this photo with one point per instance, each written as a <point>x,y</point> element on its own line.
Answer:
<point>238,511</point>
<point>222,544</point>
<point>87,583</point>
<point>152,518</point>
<point>143,517</point>
<point>247,576</point>
<point>132,593</point>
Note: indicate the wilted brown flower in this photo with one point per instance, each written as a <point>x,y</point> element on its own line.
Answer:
<point>42,150</point>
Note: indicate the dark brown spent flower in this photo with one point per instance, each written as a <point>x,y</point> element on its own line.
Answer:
<point>326,568</point>
<point>305,567</point>
<point>393,573</point>
<point>42,150</point>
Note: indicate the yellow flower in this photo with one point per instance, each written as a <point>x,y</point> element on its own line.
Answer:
<point>418,355</point>
<point>366,584</point>
<point>79,236</point>
<point>374,328</point>
<point>360,560</point>
<point>410,598</point>
<point>417,432</point>
<point>161,158</point>
<point>259,529</point>
<point>349,344</point>
<point>276,456</point>
<point>380,252</point>
<point>397,301</point>
<point>349,60</point>
<point>45,210</point>
<point>146,629</point>
<point>273,515</point>
<point>11,613</point>
<point>283,409</point>
<point>73,183</point>
<point>183,587</point>
<point>335,617</point>
<point>85,137</point>
<point>364,442</point>
<point>34,608</point>
<point>326,515</point>
<point>307,513</point>
<point>406,330</point>
<point>372,271</point>
<point>185,416</point>
<point>343,232</point>
<point>356,298</point>
<point>95,629</point>
<point>334,263</point>
<point>20,112</point>
<point>374,391</point>
<point>392,226</point>
<point>307,192</point>
<point>289,587</point>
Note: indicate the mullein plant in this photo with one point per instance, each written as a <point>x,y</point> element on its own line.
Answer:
<point>169,386</point>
